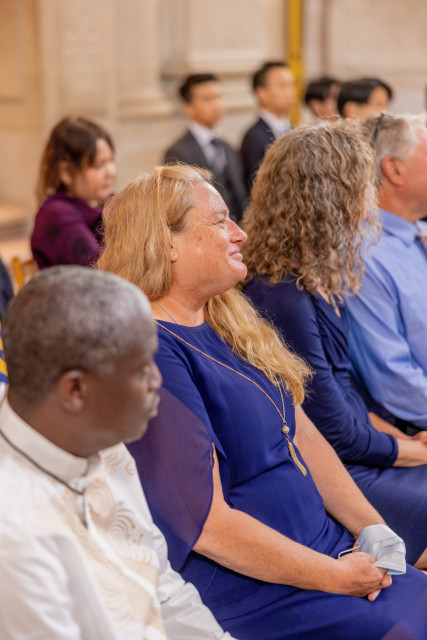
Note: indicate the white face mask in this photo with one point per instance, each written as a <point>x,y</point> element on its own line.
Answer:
<point>386,546</point>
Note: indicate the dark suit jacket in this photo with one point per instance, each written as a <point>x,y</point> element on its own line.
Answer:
<point>188,150</point>
<point>6,289</point>
<point>254,145</point>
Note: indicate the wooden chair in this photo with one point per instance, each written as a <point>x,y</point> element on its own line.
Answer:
<point>22,270</point>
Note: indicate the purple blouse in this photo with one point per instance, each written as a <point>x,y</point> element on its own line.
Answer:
<point>67,230</point>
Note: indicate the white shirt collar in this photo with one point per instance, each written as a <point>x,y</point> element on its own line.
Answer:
<point>279,126</point>
<point>203,135</point>
<point>45,453</point>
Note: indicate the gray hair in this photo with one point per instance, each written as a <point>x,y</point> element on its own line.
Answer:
<point>65,318</point>
<point>397,137</point>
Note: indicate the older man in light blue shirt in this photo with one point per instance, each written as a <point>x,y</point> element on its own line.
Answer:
<point>388,316</point>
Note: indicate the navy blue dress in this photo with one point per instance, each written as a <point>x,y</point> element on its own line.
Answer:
<point>334,403</point>
<point>205,405</point>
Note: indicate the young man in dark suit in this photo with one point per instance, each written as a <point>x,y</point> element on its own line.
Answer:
<point>201,144</point>
<point>274,87</point>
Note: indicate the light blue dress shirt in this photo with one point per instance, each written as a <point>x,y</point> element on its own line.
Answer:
<point>388,321</point>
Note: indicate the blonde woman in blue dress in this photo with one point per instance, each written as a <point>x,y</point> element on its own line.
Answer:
<point>255,505</point>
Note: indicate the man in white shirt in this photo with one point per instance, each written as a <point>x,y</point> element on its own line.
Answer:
<point>202,146</point>
<point>80,557</point>
<point>274,88</point>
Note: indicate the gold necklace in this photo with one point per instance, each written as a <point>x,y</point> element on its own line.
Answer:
<point>285,428</point>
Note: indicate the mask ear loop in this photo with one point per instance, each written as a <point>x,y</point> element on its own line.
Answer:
<point>343,553</point>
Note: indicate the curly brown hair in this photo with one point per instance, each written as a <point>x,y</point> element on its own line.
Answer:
<point>311,194</point>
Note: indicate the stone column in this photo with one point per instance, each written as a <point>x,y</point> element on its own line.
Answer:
<point>138,61</point>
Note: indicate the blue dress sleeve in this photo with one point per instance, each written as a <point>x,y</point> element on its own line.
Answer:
<point>347,428</point>
<point>175,457</point>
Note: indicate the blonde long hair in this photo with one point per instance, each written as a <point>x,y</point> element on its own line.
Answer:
<point>310,197</point>
<point>138,222</point>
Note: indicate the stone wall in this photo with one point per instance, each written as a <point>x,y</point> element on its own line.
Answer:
<point>119,61</point>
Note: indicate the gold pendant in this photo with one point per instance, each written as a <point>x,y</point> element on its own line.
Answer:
<point>295,459</point>
<point>285,429</point>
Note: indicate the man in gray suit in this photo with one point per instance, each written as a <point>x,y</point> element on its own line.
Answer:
<point>201,145</point>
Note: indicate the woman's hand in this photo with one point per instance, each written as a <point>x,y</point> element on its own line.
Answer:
<point>357,576</point>
<point>421,436</point>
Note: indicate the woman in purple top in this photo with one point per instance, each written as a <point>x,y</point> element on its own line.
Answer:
<point>303,255</point>
<point>76,177</point>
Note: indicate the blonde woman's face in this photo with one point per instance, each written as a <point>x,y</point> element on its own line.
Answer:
<point>206,258</point>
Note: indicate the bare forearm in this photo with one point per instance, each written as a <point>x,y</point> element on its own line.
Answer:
<point>342,498</point>
<point>381,425</point>
<point>247,546</point>
<point>243,544</point>
<point>240,542</point>
<point>412,451</point>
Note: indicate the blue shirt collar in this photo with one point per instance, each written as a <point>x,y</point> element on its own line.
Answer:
<point>397,226</point>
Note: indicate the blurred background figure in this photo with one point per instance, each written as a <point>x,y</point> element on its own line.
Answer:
<point>321,97</point>
<point>274,88</point>
<point>6,294</point>
<point>3,371</point>
<point>76,177</point>
<point>202,146</point>
<point>364,97</point>
<point>6,289</point>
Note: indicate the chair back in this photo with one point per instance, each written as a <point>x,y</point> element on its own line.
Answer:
<point>23,270</point>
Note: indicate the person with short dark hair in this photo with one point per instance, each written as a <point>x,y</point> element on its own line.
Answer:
<point>80,557</point>
<point>202,145</point>
<point>274,87</point>
<point>76,177</point>
<point>363,97</point>
<point>321,97</point>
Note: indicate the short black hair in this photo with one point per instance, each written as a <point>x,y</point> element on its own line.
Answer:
<point>259,79</point>
<point>186,89</point>
<point>320,88</point>
<point>68,317</point>
<point>359,91</point>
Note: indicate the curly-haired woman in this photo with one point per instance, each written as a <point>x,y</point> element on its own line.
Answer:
<point>312,205</point>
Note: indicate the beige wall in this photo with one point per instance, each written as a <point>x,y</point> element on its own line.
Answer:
<point>119,61</point>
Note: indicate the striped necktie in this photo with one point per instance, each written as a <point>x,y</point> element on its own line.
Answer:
<point>219,159</point>
<point>422,238</point>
